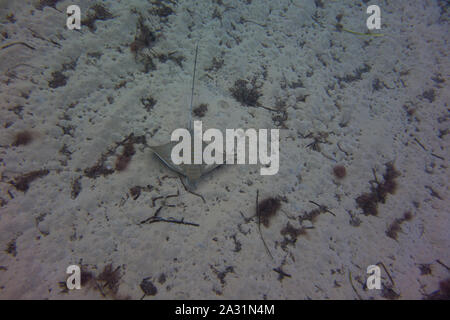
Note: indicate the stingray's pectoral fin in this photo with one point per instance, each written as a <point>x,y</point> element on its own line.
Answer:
<point>163,152</point>
<point>190,184</point>
<point>211,167</point>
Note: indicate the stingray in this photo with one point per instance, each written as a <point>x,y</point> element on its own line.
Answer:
<point>190,172</point>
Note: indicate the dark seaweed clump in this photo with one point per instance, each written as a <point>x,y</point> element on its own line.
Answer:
<point>22,183</point>
<point>124,159</point>
<point>369,201</point>
<point>161,10</point>
<point>356,76</point>
<point>430,95</point>
<point>46,3</point>
<point>135,192</point>
<point>200,111</point>
<point>76,188</point>
<point>11,248</point>
<point>222,274</point>
<point>22,138</point>
<point>86,276</point>
<point>107,282</point>
<point>110,278</point>
<point>144,37</point>
<point>290,234</point>
<point>395,226</point>
<point>148,103</point>
<point>311,215</point>
<point>178,59</point>
<point>267,208</point>
<point>339,171</point>
<point>99,169</point>
<point>245,94</point>
<point>96,12</point>
<point>148,287</point>
<point>58,80</point>
<point>425,269</point>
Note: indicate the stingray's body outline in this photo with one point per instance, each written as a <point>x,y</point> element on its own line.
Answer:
<point>190,172</point>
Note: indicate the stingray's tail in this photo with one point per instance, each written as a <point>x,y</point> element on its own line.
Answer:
<point>192,92</point>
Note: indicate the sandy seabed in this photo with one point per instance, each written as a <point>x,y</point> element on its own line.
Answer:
<point>80,108</point>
